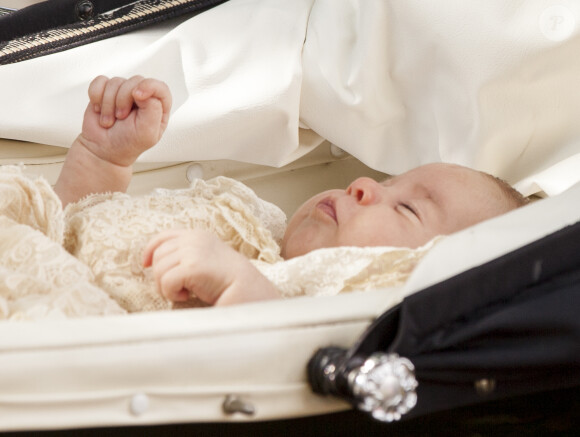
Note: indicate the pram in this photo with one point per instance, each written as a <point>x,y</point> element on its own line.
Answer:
<point>477,325</point>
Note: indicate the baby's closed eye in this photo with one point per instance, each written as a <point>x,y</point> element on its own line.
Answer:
<point>409,211</point>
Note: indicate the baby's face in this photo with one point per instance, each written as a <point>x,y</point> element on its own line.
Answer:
<point>404,211</point>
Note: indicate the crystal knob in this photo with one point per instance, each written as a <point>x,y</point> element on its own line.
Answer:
<point>384,386</point>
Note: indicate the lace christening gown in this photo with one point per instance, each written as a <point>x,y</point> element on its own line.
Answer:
<point>86,260</point>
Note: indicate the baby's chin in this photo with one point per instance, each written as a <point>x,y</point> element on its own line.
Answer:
<point>287,254</point>
<point>289,249</point>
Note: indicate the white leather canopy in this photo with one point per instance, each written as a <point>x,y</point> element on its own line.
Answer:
<point>491,85</point>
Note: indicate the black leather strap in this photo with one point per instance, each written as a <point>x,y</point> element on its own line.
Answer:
<point>52,14</point>
<point>58,25</point>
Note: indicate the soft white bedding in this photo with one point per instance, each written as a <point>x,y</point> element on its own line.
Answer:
<point>492,85</point>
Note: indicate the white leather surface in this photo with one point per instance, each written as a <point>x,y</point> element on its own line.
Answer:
<point>180,366</point>
<point>492,84</point>
<point>489,84</point>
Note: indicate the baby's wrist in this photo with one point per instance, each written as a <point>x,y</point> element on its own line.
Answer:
<point>85,156</point>
<point>249,285</point>
<point>89,150</point>
<point>84,173</point>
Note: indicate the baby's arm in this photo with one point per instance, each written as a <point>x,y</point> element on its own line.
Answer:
<point>122,120</point>
<point>196,262</point>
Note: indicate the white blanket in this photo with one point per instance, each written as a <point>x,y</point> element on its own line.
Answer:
<point>491,85</point>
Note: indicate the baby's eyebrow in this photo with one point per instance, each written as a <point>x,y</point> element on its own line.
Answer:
<point>433,201</point>
<point>427,193</point>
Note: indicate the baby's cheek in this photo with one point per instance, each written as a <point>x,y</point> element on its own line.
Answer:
<point>362,235</point>
<point>302,240</point>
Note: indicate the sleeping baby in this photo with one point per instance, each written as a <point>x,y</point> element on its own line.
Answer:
<point>217,243</point>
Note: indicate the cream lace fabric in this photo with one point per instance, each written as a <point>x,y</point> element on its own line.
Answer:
<point>326,272</point>
<point>108,232</point>
<point>38,278</point>
<point>86,261</point>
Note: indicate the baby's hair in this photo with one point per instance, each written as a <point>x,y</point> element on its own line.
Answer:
<point>513,196</point>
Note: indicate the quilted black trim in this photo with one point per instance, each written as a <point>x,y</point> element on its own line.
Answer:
<point>130,17</point>
<point>5,11</point>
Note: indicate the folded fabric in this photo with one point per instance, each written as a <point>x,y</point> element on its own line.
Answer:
<point>490,85</point>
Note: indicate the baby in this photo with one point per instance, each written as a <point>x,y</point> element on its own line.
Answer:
<point>126,117</point>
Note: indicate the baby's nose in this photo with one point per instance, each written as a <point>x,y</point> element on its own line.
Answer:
<point>365,190</point>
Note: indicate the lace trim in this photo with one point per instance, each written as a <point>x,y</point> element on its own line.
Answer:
<point>38,278</point>
<point>330,271</point>
<point>108,232</point>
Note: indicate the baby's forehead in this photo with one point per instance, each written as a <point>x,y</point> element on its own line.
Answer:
<point>451,174</point>
<point>440,182</point>
<point>421,176</point>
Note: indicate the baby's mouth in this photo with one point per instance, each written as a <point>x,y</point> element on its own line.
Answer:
<point>327,207</point>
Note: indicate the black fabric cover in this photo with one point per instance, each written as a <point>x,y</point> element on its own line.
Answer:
<point>514,321</point>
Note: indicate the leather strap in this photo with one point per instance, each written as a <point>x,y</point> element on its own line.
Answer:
<point>58,25</point>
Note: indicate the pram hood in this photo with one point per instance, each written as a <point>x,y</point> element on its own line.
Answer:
<point>172,367</point>
<point>396,84</point>
<point>498,95</point>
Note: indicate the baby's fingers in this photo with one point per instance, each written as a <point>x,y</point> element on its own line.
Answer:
<point>96,91</point>
<point>172,284</point>
<point>145,92</point>
<point>156,242</point>
<point>148,88</point>
<point>124,99</point>
<point>108,99</point>
<point>171,270</point>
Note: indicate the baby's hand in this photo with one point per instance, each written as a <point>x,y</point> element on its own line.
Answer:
<point>196,262</point>
<point>125,117</point>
